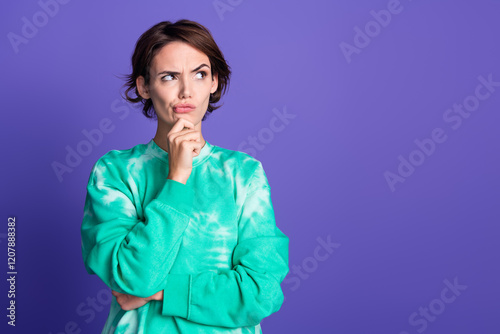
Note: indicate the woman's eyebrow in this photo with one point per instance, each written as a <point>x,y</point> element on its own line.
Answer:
<point>171,72</point>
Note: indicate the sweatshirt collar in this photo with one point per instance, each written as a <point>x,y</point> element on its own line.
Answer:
<point>157,151</point>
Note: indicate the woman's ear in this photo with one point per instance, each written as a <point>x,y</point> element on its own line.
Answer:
<point>142,88</point>
<point>215,83</point>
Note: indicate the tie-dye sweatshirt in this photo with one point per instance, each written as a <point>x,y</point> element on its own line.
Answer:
<point>212,244</point>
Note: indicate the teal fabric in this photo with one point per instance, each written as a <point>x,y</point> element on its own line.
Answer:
<point>212,244</point>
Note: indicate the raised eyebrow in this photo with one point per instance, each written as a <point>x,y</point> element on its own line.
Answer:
<point>171,72</point>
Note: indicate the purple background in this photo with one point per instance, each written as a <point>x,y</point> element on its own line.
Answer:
<point>353,117</point>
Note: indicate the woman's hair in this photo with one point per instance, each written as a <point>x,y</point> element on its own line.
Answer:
<point>161,34</point>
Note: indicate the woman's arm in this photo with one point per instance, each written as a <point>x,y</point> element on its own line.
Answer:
<point>250,291</point>
<point>130,255</point>
<point>129,302</point>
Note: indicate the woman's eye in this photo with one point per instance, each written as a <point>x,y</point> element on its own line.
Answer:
<point>202,72</point>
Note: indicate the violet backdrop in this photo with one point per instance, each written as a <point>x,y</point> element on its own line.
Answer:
<point>376,123</point>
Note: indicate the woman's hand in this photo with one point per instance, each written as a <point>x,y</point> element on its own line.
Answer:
<point>183,142</point>
<point>129,302</point>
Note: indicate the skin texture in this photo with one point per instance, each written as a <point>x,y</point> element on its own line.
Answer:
<point>178,134</point>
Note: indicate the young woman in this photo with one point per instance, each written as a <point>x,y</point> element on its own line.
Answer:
<point>182,231</point>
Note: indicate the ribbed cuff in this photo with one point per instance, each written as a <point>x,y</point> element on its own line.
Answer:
<point>177,296</point>
<point>177,195</point>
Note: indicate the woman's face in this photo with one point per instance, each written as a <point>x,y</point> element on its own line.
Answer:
<point>179,74</point>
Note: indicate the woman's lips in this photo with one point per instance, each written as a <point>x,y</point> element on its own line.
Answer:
<point>181,110</point>
<point>183,107</point>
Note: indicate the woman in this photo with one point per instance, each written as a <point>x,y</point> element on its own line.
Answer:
<point>181,230</point>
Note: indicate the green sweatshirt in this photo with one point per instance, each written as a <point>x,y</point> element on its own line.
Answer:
<point>212,244</point>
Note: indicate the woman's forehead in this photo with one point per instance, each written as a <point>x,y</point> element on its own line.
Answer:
<point>178,56</point>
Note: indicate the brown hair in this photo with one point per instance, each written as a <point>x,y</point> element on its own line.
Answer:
<point>161,34</point>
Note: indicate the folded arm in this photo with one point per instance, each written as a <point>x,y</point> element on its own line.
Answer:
<point>250,291</point>
<point>131,255</point>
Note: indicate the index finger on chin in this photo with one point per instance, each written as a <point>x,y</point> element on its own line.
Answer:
<point>181,124</point>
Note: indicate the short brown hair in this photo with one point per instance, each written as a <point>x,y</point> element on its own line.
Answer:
<point>161,34</point>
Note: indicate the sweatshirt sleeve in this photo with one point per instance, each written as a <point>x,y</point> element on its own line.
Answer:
<point>251,290</point>
<point>132,255</point>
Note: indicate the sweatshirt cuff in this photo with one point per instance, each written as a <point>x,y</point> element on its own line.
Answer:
<point>177,296</point>
<point>177,195</point>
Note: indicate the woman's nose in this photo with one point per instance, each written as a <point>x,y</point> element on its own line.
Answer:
<point>185,88</point>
